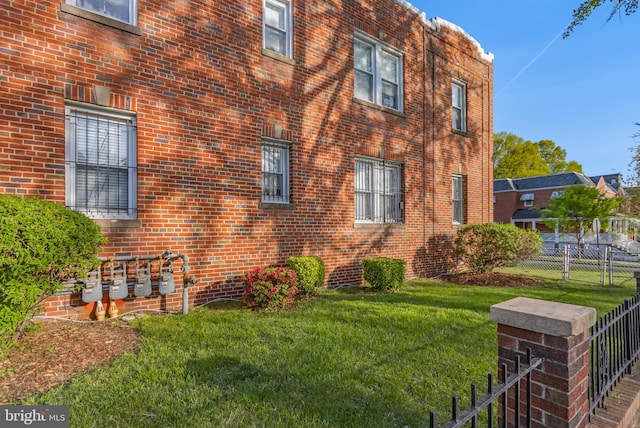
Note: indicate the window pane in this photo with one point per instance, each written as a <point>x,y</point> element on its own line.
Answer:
<point>458,199</point>
<point>457,118</point>
<point>389,67</point>
<point>102,190</point>
<point>456,92</point>
<point>96,6</point>
<point>118,9</point>
<point>364,201</point>
<point>363,176</point>
<point>102,141</point>
<point>272,185</point>
<point>274,16</point>
<point>275,41</point>
<point>392,180</point>
<point>389,95</point>
<point>392,194</point>
<point>271,159</point>
<point>456,189</point>
<point>364,86</point>
<point>363,56</point>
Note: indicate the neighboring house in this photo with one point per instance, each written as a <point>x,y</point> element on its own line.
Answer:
<point>518,201</point>
<point>610,185</point>
<point>243,133</point>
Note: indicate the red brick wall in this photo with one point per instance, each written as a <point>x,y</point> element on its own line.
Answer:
<point>205,95</point>
<point>506,203</point>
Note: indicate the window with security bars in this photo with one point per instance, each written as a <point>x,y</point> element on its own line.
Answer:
<point>378,191</point>
<point>101,162</point>
<point>458,199</point>
<point>275,172</point>
<point>122,10</point>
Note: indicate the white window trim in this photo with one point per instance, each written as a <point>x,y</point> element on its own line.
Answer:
<point>288,7</point>
<point>377,210</point>
<point>133,11</point>
<point>460,179</point>
<point>528,203</point>
<point>285,165</point>
<point>462,108</point>
<point>71,151</point>
<point>379,47</point>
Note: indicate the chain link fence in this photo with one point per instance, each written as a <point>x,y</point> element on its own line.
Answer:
<point>602,264</point>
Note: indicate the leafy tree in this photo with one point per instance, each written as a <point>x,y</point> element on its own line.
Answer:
<point>522,160</point>
<point>576,208</point>
<point>585,9</point>
<point>513,157</point>
<point>633,179</point>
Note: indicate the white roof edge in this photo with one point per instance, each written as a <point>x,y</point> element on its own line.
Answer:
<point>437,21</point>
<point>421,14</point>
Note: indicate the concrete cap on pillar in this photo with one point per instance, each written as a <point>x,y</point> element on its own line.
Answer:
<point>541,316</point>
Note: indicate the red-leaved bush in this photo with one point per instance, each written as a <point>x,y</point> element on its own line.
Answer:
<point>270,288</point>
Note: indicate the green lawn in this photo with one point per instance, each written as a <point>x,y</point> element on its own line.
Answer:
<point>349,358</point>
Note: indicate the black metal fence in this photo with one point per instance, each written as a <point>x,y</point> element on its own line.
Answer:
<point>614,348</point>
<point>496,393</point>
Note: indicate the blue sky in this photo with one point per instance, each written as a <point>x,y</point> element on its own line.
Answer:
<point>582,92</point>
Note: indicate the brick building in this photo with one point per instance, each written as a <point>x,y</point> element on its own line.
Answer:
<point>242,133</point>
<point>518,201</point>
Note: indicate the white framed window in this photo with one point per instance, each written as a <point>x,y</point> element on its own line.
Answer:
<point>122,10</point>
<point>277,26</point>
<point>459,105</point>
<point>378,191</point>
<point>458,199</point>
<point>275,171</point>
<point>100,161</point>
<point>528,198</point>
<point>378,72</point>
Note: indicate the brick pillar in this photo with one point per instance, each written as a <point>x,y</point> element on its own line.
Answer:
<point>559,333</point>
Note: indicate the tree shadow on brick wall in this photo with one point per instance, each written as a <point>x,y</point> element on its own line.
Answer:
<point>204,95</point>
<point>436,257</point>
<point>229,289</point>
<point>347,274</point>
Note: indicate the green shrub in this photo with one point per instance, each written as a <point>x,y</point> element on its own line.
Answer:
<point>384,273</point>
<point>309,271</point>
<point>270,288</point>
<point>41,244</point>
<point>488,246</point>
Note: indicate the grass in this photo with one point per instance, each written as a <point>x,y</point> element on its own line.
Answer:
<point>348,358</point>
